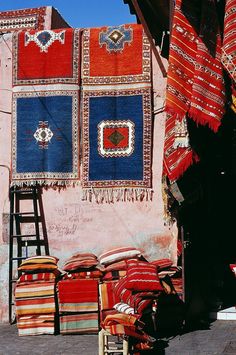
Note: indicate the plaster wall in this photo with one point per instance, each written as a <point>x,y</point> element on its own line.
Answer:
<point>75,225</point>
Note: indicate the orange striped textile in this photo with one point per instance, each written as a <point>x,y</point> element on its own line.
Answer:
<point>36,324</point>
<point>108,297</point>
<point>126,324</point>
<point>37,277</point>
<point>35,298</point>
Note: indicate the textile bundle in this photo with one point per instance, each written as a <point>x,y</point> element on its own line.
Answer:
<point>77,295</point>
<point>79,323</point>
<point>35,297</point>
<point>117,138</point>
<point>129,325</point>
<point>45,136</point>
<point>36,324</point>
<point>195,85</point>
<point>78,306</point>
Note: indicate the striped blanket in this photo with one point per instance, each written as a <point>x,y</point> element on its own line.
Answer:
<point>79,323</point>
<point>78,295</point>
<point>35,298</point>
<point>36,324</point>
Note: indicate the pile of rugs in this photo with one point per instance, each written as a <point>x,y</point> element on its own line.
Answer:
<point>78,295</point>
<point>91,293</point>
<point>129,294</point>
<point>35,296</point>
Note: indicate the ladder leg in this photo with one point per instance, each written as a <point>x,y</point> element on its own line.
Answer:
<point>36,214</point>
<point>10,290</point>
<point>44,229</point>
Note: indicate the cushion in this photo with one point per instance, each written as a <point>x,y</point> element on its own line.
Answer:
<point>35,267</point>
<point>84,255</point>
<point>162,263</point>
<point>124,308</point>
<point>119,265</point>
<point>40,259</point>
<point>142,276</point>
<point>138,301</point>
<point>114,275</point>
<point>80,261</point>
<point>114,255</point>
<point>79,264</point>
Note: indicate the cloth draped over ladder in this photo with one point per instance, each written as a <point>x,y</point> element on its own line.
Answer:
<point>116,114</point>
<point>45,132</point>
<point>195,85</point>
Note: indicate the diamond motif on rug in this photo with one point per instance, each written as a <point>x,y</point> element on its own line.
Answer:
<point>116,138</point>
<point>43,135</point>
<point>115,38</point>
<point>44,39</point>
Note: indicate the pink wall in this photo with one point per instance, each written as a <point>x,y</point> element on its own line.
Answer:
<point>75,225</point>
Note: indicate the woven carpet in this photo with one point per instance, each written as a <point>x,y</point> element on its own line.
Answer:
<point>45,138</point>
<point>229,44</point>
<point>45,130</point>
<point>116,109</point>
<point>46,57</point>
<point>195,85</point>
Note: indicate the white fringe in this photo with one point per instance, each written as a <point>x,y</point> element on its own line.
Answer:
<point>46,183</point>
<point>115,195</point>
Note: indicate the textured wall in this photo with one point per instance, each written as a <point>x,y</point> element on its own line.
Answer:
<point>75,225</point>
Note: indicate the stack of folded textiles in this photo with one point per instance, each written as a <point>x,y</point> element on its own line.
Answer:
<point>35,295</point>
<point>130,297</point>
<point>78,295</point>
<point>170,276</point>
<point>114,261</point>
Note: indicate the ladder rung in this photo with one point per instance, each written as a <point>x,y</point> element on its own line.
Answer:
<point>19,258</point>
<point>18,191</point>
<point>19,236</point>
<point>27,196</point>
<point>29,219</point>
<point>13,280</point>
<point>21,213</point>
<point>34,243</point>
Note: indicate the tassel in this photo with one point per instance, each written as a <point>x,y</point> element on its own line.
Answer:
<point>116,195</point>
<point>181,134</point>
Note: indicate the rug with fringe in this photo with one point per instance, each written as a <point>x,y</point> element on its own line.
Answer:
<point>116,114</point>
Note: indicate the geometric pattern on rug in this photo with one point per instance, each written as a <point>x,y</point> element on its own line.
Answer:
<point>108,55</point>
<point>118,158</point>
<point>46,57</point>
<point>45,139</point>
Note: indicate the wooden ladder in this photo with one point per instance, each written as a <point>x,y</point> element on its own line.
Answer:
<point>23,244</point>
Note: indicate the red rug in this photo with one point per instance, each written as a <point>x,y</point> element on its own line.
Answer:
<point>229,44</point>
<point>116,143</point>
<point>46,57</point>
<point>108,55</point>
<point>195,85</point>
